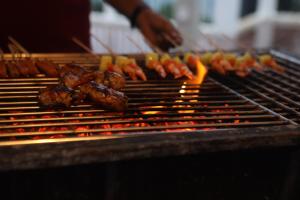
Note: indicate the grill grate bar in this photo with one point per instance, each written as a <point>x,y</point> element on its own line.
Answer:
<point>255,112</point>
<point>189,127</point>
<point>133,120</point>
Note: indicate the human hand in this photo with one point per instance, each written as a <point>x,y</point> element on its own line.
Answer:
<point>157,30</point>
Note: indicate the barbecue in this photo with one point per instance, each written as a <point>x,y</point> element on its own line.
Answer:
<point>166,107</point>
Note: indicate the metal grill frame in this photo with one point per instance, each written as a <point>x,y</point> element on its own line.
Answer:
<point>81,150</point>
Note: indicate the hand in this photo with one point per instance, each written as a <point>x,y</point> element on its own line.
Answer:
<point>157,30</point>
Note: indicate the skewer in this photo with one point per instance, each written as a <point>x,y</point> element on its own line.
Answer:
<point>270,62</point>
<point>128,65</point>
<point>136,44</point>
<point>82,45</point>
<point>18,46</point>
<point>151,60</point>
<point>105,46</point>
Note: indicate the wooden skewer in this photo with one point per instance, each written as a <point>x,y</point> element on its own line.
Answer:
<point>241,45</point>
<point>18,45</point>
<point>83,46</point>
<point>105,46</point>
<point>211,42</point>
<point>136,44</point>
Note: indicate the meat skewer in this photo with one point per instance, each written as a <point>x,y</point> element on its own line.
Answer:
<point>106,63</point>
<point>170,66</point>
<point>128,65</point>
<point>47,67</point>
<point>152,60</point>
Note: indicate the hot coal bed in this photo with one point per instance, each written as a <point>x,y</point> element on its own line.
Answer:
<point>230,138</point>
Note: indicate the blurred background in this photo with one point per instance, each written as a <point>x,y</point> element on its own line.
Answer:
<point>256,23</point>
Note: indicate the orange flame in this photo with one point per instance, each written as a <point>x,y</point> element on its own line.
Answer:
<point>201,73</point>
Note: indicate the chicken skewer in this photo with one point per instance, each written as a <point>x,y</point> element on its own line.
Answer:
<point>128,65</point>
<point>151,59</point>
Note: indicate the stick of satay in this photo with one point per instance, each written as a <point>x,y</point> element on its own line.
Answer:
<point>152,59</point>
<point>251,57</point>
<point>166,61</point>
<point>31,67</point>
<point>222,63</point>
<point>106,62</point>
<point>128,65</point>
<point>183,68</point>
<point>248,59</point>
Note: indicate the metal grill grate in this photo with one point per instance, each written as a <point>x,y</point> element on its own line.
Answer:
<point>155,106</point>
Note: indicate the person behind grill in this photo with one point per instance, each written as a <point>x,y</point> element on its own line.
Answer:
<point>49,25</point>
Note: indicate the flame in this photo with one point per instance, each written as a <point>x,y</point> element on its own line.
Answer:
<point>200,74</point>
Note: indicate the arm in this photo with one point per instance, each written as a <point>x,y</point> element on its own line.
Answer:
<point>156,29</point>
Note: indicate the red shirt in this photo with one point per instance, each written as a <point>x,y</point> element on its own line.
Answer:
<point>45,25</point>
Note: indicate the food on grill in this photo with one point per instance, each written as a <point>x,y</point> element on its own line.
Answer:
<point>73,76</point>
<point>152,62</point>
<point>106,64</point>
<point>104,96</point>
<point>56,96</point>
<point>110,79</point>
<point>170,66</point>
<point>183,68</point>
<point>27,67</point>
<point>191,60</point>
<point>268,61</point>
<point>131,62</point>
<point>12,70</point>
<point>98,86</point>
<point>47,67</point>
<point>3,70</point>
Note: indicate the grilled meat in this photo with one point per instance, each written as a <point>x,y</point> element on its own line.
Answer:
<point>72,68</point>
<point>27,67</point>
<point>110,79</point>
<point>3,70</point>
<point>13,70</point>
<point>56,96</point>
<point>47,67</point>
<point>72,80</point>
<point>104,96</point>
<point>73,76</point>
<point>22,68</point>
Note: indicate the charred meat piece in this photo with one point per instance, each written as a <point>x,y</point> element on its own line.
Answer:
<point>27,67</point>
<point>3,70</point>
<point>72,80</point>
<point>23,69</point>
<point>110,79</point>
<point>104,96</point>
<point>56,96</point>
<point>72,68</point>
<point>47,67</point>
<point>13,70</point>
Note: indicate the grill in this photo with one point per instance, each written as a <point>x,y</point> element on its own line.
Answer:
<point>165,117</point>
